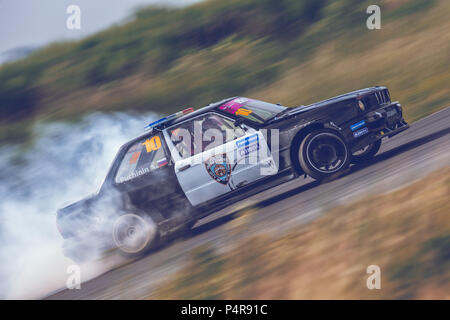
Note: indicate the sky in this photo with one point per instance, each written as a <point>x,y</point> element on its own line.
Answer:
<point>34,23</point>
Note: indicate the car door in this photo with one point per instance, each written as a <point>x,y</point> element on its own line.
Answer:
<point>213,157</point>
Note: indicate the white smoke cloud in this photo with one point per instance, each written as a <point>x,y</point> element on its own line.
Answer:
<point>65,163</point>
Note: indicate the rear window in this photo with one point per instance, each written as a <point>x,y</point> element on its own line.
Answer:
<point>254,110</point>
<point>141,158</point>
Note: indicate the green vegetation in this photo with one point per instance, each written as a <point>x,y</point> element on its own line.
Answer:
<point>405,232</point>
<point>289,51</point>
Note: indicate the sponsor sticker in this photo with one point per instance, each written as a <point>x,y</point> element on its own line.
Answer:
<point>248,149</point>
<point>134,158</point>
<point>247,140</point>
<point>235,106</point>
<point>357,125</point>
<point>243,112</point>
<point>361,132</point>
<point>162,162</point>
<point>219,168</point>
<point>134,174</point>
<point>152,144</point>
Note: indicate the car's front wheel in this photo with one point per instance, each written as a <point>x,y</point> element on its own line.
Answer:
<point>323,153</point>
<point>366,153</point>
<point>134,234</point>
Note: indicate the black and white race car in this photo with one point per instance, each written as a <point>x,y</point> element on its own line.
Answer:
<point>193,163</point>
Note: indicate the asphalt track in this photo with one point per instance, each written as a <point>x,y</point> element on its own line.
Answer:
<point>403,159</point>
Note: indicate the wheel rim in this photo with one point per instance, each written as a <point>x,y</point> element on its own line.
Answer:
<point>326,152</point>
<point>131,233</point>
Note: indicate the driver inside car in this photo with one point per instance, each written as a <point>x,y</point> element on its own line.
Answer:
<point>214,132</point>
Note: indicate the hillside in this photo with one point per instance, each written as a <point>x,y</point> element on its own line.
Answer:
<point>293,52</point>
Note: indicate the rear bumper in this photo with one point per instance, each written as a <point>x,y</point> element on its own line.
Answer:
<point>383,122</point>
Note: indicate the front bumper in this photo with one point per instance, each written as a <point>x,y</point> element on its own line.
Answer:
<point>383,122</point>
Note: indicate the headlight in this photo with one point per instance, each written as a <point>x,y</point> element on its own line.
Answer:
<point>361,105</point>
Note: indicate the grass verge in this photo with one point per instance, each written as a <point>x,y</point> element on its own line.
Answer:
<point>406,233</point>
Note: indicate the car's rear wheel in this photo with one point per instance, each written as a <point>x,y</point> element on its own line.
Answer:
<point>366,153</point>
<point>134,235</point>
<point>323,153</point>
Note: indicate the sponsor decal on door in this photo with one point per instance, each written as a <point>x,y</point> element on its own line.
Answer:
<point>219,168</point>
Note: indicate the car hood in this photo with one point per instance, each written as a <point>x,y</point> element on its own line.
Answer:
<point>320,104</point>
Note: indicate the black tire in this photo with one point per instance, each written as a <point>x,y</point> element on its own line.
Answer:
<point>367,153</point>
<point>323,153</point>
<point>134,234</point>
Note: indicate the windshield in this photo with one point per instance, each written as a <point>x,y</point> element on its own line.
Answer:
<point>254,110</point>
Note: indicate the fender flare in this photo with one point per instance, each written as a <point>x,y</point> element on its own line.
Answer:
<point>302,132</point>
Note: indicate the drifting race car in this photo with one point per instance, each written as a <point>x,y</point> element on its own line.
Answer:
<point>193,163</point>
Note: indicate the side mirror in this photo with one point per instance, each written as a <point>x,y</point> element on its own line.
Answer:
<point>239,122</point>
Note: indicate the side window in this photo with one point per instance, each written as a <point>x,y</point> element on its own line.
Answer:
<point>203,133</point>
<point>141,158</point>
<point>218,130</point>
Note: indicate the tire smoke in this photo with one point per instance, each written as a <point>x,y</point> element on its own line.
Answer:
<point>65,162</point>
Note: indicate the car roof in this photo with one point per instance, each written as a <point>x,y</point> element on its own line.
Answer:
<point>169,123</point>
<point>200,111</point>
